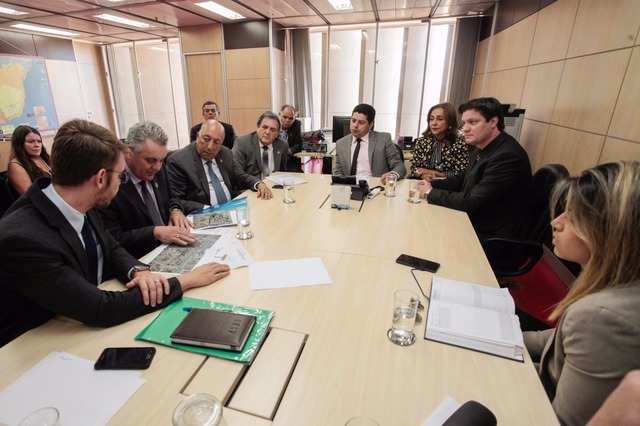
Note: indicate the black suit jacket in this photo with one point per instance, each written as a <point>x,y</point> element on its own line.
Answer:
<point>44,270</point>
<point>229,134</point>
<point>127,218</point>
<point>294,134</point>
<point>188,178</point>
<point>494,191</point>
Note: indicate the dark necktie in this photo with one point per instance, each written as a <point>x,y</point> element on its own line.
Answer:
<point>265,161</point>
<point>354,161</point>
<point>152,207</point>
<point>91,248</point>
<point>217,186</point>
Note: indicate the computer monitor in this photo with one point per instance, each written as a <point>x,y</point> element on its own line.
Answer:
<point>340,127</point>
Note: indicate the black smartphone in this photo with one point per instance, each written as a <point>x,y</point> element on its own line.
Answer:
<point>418,263</point>
<point>125,358</point>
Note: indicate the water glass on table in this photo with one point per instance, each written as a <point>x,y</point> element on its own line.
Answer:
<point>244,223</point>
<point>289,196</point>
<point>414,194</point>
<point>392,180</point>
<point>405,308</point>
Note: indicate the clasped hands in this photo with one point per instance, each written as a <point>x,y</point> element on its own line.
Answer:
<point>428,174</point>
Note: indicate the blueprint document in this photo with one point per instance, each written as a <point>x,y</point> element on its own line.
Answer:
<point>213,245</point>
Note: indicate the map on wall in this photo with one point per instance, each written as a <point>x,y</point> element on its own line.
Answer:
<point>25,94</point>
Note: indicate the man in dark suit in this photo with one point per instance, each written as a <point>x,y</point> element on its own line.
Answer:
<point>365,152</point>
<point>495,189</point>
<point>291,133</point>
<point>143,207</point>
<point>211,111</point>
<point>54,249</point>
<point>262,152</point>
<point>204,174</point>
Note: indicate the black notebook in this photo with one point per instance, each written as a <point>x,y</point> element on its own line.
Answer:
<point>214,329</point>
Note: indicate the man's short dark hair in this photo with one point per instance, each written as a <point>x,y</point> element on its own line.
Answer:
<point>80,150</point>
<point>487,107</point>
<point>367,110</point>
<point>210,103</point>
<point>269,114</point>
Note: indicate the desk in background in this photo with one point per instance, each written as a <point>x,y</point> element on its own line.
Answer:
<point>327,357</point>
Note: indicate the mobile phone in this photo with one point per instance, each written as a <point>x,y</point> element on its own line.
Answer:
<point>138,358</point>
<point>418,263</point>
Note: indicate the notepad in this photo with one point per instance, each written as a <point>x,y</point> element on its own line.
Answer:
<point>211,328</point>
<point>474,317</point>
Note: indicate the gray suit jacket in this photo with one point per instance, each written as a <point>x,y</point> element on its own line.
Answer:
<point>188,178</point>
<point>383,155</point>
<point>247,152</point>
<point>582,360</point>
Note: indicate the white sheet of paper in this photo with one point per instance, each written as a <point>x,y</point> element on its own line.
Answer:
<point>288,273</point>
<point>279,179</point>
<point>82,395</point>
<point>447,407</point>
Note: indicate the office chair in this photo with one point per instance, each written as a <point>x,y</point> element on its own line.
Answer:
<point>7,196</point>
<point>523,254</point>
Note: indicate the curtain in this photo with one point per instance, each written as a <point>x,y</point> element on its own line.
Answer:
<point>299,89</point>
<point>467,32</point>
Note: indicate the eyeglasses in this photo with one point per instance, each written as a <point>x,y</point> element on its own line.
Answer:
<point>123,177</point>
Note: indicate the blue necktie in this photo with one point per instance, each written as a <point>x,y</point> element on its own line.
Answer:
<point>91,248</point>
<point>217,186</point>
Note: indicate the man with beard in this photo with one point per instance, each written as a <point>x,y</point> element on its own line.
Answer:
<point>54,249</point>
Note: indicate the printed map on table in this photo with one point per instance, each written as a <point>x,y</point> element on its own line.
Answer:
<point>178,260</point>
<point>25,94</point>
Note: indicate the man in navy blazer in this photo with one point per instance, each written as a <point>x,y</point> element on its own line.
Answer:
<point>250,151</point>
<point>495,190</point>
<point>54,248</point>
<point>144,213</point>
<point>291,133</point>
<point>211,111</point>
<point>190,171</point>
<point>374,152</point>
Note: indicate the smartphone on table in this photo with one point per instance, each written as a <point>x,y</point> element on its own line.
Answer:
<point>418,263</point>
<point>138,358</point>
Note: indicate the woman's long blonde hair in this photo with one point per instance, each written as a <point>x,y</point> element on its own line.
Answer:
<point>604,208</point>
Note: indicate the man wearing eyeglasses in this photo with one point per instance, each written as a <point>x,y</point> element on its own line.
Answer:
<point>54,249</point>
<point>144,213</point>
<point>211,111</point>
<point>204,174</point>
<point>262,152</point>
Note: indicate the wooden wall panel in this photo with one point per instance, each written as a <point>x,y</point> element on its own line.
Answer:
<point>476,86</point>
<point>576,149</point>
<point>494,84</point>
<point>625,123</point>
<point>534,139</point>
<point>553,31</point>
<point>520,40</point>
<point>244,119</point>
<point>616,150</point>
<point>589,89</point>
<point>540,90</point>
<point>201,38</point>
<point>500,53</point>
<point>601,26</point>
<point>278,79</point>
<point>204,82</point>
<point>247,63</point>
<point>512,85</point>
<point>481,56</point>
<point>254,93</point>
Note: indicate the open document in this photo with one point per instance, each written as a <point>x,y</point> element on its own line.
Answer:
<point>474,317</point>
<point>279,179</point>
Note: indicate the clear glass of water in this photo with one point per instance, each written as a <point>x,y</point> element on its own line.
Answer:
<point>414,194</point>
<point>244,223</point>
<point>199,409</point>
<point>405,307</point>
<point>289,196</point>
<point>392,180</point>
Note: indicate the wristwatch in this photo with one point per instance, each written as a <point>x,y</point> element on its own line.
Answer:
<point>137,268</point>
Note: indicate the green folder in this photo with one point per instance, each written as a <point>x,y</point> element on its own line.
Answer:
<point>160,329</point>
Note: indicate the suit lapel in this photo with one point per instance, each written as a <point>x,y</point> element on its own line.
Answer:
<point>224,171</point>
<point>257,151</point>
<point>158,190</point>
<point>130,189</point>
<point>372,148</point>
<point>200,171</point>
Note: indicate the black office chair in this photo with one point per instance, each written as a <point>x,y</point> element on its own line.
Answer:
<point>7,195</point>
<point>523,254</point>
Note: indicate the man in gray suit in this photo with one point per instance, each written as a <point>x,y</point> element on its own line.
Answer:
<point>366,152</point>
<point>262,152</point>
<point>204,174</point>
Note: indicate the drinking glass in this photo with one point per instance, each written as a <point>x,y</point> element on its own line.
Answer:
<point>289,196</point>
<point>198,409</point>
<point>392,180</point>
<point>47,416</point>
<point>414,194</point>
<point>244,223</point>
<point>405,307</point>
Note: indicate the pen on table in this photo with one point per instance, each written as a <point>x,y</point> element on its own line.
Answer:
<point>190,308</point>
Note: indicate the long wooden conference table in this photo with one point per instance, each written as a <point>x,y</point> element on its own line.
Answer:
<point>327,357</point>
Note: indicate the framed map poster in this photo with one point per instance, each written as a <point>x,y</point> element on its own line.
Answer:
<point>25,94</point>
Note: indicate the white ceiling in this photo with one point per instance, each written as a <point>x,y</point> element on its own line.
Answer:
<point>167,16</point>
